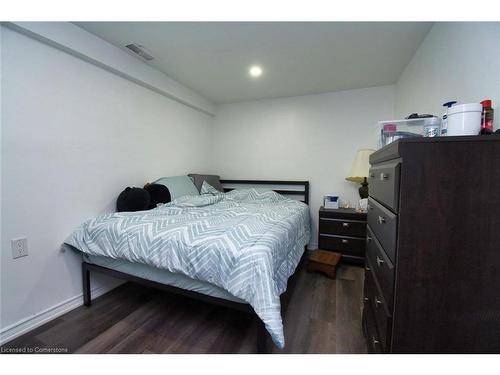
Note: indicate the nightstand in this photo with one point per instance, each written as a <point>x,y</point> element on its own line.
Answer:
<point>343,231</point>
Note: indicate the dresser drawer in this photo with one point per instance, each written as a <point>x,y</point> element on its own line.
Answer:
<point>343,244</point>
<point>381,266</point>
<point>379,308</point>
<point>369,323</point>
<point>383,182</point>
<point>384,225</point>
<point>352,228</point>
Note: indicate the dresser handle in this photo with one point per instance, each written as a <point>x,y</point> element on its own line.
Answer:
<point>368,238</point>
<point>366,299</point>
<point>377,302</point>
<point>375,341</point>
<point>381,219</point>
<point>384,176</point>
<point>345,241</point>
<point>345,224</point>
<point>379,261</point>
<point>372,175</point>
<point>367,268</point>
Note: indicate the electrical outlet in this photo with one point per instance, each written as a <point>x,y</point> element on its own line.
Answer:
<point>19,247</point>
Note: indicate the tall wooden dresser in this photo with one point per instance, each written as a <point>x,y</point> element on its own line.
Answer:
<point>432,279</point>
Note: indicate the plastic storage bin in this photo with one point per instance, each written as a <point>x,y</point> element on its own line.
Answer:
<point>393,130</point>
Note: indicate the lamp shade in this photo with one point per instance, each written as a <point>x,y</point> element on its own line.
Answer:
<point>360,166</point>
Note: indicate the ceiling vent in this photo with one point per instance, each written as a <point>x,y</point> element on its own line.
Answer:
<point>140,51</point>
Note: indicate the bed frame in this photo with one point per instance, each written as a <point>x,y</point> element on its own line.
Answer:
<point>291,188</point>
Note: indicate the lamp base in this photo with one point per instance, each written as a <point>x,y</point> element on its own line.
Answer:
<point>363,190</point>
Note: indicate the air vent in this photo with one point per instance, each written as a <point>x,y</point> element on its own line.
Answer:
<point>140,51</point>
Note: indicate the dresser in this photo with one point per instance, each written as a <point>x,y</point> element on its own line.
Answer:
<point>343,231</point>
<point>432,273</point>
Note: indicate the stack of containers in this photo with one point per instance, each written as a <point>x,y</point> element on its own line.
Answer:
<point>459,119</point>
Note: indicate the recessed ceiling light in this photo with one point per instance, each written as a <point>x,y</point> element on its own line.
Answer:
<point>255,71</point>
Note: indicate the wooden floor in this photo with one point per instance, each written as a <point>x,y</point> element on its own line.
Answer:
<point>324,316</point>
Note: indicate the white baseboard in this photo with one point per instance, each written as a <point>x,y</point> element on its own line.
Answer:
<point>27,324</point>
<point>312,246</point>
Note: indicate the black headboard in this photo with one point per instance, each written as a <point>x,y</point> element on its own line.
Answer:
<point>293,188</point>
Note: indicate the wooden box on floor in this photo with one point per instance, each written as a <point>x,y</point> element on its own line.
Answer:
<point>324,262</point>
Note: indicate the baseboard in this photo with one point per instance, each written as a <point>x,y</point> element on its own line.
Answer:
<point>312,246</point>
<point>27,324</point>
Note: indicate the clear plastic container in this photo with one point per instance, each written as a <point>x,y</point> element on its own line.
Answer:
<point>393,130</point>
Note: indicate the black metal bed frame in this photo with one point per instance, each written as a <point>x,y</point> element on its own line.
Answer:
<point>262,337</point>
<point>304,192</point>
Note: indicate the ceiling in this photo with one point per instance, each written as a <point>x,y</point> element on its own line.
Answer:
<point>301,58</point>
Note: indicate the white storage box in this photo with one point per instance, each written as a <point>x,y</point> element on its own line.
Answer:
<point>331,201</point>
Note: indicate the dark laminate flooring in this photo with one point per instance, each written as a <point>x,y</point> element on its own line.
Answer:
<point>323,316</point>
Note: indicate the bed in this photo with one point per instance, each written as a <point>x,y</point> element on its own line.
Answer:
<point>239,248</point>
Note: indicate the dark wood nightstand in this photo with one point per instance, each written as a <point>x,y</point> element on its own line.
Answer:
<point>343,231</point>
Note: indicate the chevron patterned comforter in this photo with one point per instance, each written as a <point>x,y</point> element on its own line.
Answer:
<point>247,242</point>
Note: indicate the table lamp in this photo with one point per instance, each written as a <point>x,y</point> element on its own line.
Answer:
<point>359,170</point>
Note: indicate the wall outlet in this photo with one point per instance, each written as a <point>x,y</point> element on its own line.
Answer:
<point>19,247</point>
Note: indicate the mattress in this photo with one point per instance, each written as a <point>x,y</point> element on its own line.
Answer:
<point>161,276</point>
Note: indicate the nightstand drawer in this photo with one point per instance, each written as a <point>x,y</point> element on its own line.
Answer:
<point>352,228</point>
<point>380,265</point>
<point>383,223</point>
<point>343,231</point>
<point>343,244</point>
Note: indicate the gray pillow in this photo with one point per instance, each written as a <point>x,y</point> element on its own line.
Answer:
<point>178,186</point>
<point>209,178</point>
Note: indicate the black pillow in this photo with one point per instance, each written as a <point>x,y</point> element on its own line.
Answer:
<point>133,199</point>
<point>159,194</point>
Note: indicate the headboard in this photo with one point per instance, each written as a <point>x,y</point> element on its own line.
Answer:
<point>299,189</point>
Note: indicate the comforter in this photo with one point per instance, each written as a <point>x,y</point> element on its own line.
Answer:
<point>247,242</point>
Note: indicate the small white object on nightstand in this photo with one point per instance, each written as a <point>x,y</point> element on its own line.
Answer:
<point>331,201</point>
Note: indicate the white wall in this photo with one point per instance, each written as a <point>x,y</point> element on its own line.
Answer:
<point>73,136</point>
<point>89,47</point>
<point>456,61</point>
<point>313,137</point>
